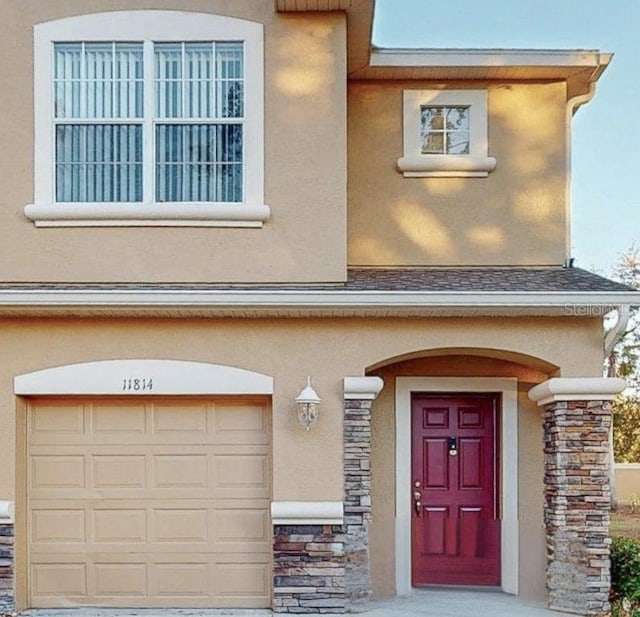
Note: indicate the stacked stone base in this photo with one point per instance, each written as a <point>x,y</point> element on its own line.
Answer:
<point>7,600</point>
<point>357,501</point>
<point>577,504</point>
<point>308,569</point>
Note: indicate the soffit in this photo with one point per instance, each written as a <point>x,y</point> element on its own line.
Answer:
<point>484,64</point>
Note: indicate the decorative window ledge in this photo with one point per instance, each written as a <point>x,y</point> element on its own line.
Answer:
<point>147,215</point>
<point>446,165</point>
<point>475,164</point>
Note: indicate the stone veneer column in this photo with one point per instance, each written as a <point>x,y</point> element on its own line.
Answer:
<point>321,549</point>
<point>359,394</point>
<point>7,599</point>
<point>577,420</point>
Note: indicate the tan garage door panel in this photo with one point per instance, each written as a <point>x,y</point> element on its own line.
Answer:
<point>149,502</point>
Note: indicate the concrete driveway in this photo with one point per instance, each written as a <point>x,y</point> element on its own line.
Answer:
<point>424,602</point>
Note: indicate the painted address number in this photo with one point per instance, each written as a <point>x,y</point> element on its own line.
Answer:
<point>131,384</point>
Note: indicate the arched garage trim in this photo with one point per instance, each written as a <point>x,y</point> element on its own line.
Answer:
<point>143,377</point>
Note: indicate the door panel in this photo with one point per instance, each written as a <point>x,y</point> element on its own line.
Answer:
<point>455,525</point>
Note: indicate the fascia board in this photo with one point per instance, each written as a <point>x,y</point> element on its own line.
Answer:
<point>306,298</point>
<point>383,57</point>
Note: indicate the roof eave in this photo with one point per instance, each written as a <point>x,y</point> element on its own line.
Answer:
<point>462,64</point>
<point>288,303</point>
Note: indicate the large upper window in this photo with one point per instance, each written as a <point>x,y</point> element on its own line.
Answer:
<point>153,118</point>
<point>445,134</point>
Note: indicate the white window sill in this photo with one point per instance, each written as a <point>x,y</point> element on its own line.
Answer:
<point>446,166</point>
<point>147,215</point>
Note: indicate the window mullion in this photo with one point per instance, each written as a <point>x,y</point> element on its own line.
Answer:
<point>148,125</point>
<point>182,115</point>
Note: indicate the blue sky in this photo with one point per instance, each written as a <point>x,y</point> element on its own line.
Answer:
<point>606,132</point>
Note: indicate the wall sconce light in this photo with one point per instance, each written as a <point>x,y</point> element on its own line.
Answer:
<point>308,402</point>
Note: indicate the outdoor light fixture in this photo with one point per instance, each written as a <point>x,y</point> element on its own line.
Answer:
<point>308,402</point>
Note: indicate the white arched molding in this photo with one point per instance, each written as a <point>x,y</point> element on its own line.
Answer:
<point>509,528</point>
<point>143,377</point>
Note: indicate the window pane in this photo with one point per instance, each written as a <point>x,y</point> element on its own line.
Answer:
<point>68,63</point>
<point>457,118</point>
<point>432,118</point>
<point>433,143</point>
<point>199,80</point>
<point>168,75</point>
<point>458,142</point>
<point>98,80</point>
<point>128,87</point>
<point>208,76</point>
<point>229,86</point>
<point>199,162</point>
<point>98,163</point>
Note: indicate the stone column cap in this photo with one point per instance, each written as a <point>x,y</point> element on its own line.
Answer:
<point>362,387</point>
<point>307,512</point>
<point>6,511</point>
<point>577,389</point>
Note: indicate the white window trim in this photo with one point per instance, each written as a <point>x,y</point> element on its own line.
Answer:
<point>477,163</point>
<point>145,25</point>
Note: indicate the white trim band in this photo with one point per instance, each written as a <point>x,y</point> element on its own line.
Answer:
<point>307,513</point>
<point>155,215</point>
<point>6,511</point>
<point>446,166</point>
<point>570,304</point>
<point>362,387</point>
<point>577,389</point>
<point>143,377</point>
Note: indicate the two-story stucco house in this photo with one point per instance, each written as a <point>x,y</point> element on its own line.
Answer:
<point>205,203</point>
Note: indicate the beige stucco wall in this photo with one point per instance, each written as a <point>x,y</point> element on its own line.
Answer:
<point>515,216</point>
<point>627,477</point>
<point>307,466</point>
<point>305,164</point>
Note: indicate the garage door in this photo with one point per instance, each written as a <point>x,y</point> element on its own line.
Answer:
<point>148,502</point>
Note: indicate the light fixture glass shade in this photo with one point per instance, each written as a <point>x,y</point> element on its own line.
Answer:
<point>308,405</point>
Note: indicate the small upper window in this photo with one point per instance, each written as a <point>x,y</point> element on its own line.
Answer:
<point>444,130</point>
<point>445,134</point>
<point>155,119</point>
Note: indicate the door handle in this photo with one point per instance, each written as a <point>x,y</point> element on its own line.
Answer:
<point>417,502</point>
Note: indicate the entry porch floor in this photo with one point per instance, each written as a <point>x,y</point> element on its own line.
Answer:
<point>436,602</point>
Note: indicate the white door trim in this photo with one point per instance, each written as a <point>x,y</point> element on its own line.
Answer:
<point>509,543</point>
<point>143,377</point>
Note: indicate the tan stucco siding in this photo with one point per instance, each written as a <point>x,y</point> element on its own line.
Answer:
<point>307,466</point>
<point>305,164</point>
<point>515,216</point>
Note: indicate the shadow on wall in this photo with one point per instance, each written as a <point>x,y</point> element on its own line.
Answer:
<point>514,216</point>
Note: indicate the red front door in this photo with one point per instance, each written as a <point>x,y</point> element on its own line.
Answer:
<point>453,492</point>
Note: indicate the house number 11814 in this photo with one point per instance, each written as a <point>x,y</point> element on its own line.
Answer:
<point>131,384</point>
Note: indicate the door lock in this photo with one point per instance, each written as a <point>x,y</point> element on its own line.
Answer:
<point>417,502</point>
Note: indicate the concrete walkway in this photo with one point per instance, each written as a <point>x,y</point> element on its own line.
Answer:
<point>423,603</point>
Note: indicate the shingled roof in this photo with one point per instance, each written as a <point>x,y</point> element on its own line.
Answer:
<point>480,279</point>
<point>449,279</point>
